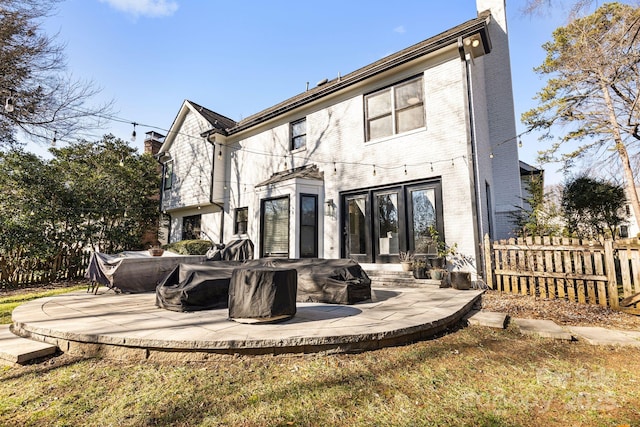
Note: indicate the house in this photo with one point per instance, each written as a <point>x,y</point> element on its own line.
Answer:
<point>361,165</point>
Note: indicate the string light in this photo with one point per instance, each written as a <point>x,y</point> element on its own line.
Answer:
<point>133,134</point>
<point>335,170</point>
<point>431,166</point>
<point>491,155</point>
<point>54,140</point>
<point>374,170</point>
<point>452,163</point>
<point>220,153</point>
<point>405,169</point>
<point>520,142</point>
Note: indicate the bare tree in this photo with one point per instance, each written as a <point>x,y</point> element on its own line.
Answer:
<point>592,94</point>
<point>38,98</point>
<point>575,7</point>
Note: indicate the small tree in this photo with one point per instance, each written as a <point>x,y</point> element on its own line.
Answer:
<point>593,208</point>
<point>593,90</point>
<point>539,215</point>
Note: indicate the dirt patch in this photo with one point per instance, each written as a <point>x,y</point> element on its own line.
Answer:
<point>560,311</point>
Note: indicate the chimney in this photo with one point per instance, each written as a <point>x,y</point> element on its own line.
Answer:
<point>152,142</point>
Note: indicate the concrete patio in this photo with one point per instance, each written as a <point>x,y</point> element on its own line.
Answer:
<point>131,326</point>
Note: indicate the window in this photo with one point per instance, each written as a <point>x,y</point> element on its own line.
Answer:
<point>241,220</point>
<point>275,227</point>
<point>298,134</point>
<point>308,226</point>
<point>191,227</point>
<point>168,175</point>
<point>396,109</point>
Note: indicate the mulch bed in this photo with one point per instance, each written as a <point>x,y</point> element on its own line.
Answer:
<point>560,311</point>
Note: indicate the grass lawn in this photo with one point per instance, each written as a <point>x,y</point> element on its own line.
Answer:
<point>471,377</point>
<point>8,303</point>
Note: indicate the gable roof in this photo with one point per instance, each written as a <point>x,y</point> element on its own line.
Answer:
<point>477,25</point>
<point>218,122</point>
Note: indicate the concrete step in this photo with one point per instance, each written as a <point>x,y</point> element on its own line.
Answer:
<point>15,349</point>
<point>489,319</point>
<point>398,278</point>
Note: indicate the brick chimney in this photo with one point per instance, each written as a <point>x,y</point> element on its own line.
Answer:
<point>152,142</point>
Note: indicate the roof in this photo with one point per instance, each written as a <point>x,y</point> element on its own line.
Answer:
<point>218,122</point>
<point>527,169</point>
<point>446,38</point>
<point>305,172</point>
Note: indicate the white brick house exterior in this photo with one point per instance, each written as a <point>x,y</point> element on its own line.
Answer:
<point>320,175</point>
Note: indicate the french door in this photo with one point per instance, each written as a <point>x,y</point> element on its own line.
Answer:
<point>379,223</point>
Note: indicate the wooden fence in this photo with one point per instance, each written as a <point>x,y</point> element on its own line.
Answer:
<point>30,271</point>
<point>588,272</point>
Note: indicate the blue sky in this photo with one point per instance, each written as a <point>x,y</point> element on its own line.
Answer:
<point>239,57</point>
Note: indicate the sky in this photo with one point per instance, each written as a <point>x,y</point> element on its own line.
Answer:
<point>240,57</point>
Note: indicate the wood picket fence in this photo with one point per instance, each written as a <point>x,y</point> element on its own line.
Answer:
<point>31,271</point>
<point>591,272</point>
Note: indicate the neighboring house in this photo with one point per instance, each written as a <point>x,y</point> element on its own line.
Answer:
<point>528,174</point>
<point>361,165</point>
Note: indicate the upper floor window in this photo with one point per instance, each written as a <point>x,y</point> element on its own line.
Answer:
<point>168,175</point>
<point>241,221</point>
<point>298,134</point>
<point>395,109</point>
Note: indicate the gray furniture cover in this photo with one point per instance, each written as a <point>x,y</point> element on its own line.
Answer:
<point>138,271</point>
<point>200,287</point>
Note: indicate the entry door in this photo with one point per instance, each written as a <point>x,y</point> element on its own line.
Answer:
<point>388,225</point>
<point>357,237</point>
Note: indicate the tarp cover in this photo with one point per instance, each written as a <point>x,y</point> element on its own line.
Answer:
<point>135,272</point>
<point>337,281</point>
<point>138,271</point>
<point>262,292</point>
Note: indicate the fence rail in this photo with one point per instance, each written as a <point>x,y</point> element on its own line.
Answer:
<point>588,272</point>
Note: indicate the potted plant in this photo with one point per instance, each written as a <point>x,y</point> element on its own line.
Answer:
<point>406,260</point>
<point>442,249</point>
<point>420,268</point>
<point>156,250</point>
<point>436,273</point>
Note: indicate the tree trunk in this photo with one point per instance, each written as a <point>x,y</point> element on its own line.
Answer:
<point>630,183</point>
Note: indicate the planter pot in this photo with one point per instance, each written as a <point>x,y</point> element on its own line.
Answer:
<point>420,273</point>
<point>406,266</point>
<point>461,280</point>
<point>156,251</point>
<point>437,262</point>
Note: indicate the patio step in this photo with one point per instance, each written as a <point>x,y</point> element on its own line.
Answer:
<point>15,349</point>
<point>398,278</point>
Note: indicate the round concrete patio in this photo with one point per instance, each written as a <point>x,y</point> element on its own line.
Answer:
<point>131,326</point>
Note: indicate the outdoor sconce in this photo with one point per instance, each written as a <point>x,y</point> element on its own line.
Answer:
<point>331,208</point>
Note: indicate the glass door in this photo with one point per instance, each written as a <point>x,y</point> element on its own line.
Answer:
<point>356,228</point>
<point>388,237</point>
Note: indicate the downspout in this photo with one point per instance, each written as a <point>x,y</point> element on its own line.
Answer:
<point>211,200</point>
<point>475,176</point>
<point>161,199</point>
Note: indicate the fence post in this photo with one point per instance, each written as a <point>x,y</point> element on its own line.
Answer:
<point>610,266</point>
<point>488,261</point>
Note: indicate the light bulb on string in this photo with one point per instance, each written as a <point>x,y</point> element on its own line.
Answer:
<point>374,170</point>
<point>405,169</point>
<point>54,140</point>
<point>220,153</point>
<point>452,164</point>
<point>133,134</point>
<point>491,155</point>
<point>335,170</point>
<point>520,142</point>
<point>431,166</point>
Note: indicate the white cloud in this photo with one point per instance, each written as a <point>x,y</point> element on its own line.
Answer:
<point>400,29</point>
<point>149,8</point>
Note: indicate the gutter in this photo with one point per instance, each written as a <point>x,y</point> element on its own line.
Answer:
<point>475,175</point>
<point>211,200</point>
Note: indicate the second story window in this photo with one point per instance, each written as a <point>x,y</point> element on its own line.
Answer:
<point>395,109</point>
<point>298,134</point>
<point>168,175</point>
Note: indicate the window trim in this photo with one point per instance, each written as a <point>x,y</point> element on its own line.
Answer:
<point>394,110</point>
<point>293,137</point>
<point>236,222</point>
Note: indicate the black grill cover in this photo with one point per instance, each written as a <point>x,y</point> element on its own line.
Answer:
<point>262,292</point>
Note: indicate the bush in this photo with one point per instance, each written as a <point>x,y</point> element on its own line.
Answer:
<point>189,247</point>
